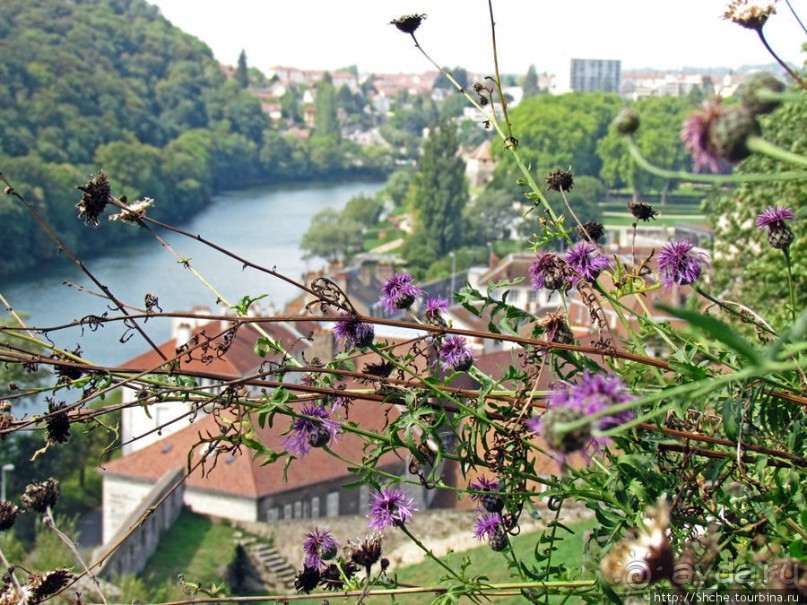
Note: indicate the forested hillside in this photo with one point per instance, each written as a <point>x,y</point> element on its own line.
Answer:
<point>111,85</point>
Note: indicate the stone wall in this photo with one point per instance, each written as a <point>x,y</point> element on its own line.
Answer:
<point>125,554</point>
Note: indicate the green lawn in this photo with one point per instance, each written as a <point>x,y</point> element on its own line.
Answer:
<point>485,562</point>
<point>194,546</point>
<point>611,220</point>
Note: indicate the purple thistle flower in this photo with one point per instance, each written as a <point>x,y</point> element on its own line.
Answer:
<point>456,353</point>
<point>568,403</point>
<point>319,547</point>
<point>586,260</point>
<point>390,506</point>
<point>487,497</point>
<point>483,484</point>
<point>679,264</point>
<point>352,332</point>
<point>315,431</point>
<point>774,218</point>
<point>435,305</point>
<point>780,235</point>
<point>550,271</point>
<point>399,292</point>
<point>695,136</point>
<point>488,526</point>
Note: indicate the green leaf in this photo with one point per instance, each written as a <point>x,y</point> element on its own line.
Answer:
<point>243,307</point>
<point>732,418</point>
<point>718,330</point>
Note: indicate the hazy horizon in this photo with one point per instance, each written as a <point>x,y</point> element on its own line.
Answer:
<point>322,34</point>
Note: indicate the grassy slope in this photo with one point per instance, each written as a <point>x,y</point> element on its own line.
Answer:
<point>493,565</point>
<point>194,546</point>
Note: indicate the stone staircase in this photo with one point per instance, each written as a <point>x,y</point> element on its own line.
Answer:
<point>275,572</point>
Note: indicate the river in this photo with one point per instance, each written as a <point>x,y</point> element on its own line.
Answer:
<point>263,225</point>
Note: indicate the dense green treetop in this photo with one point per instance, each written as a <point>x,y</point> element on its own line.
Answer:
<point>658,138</point>
<point>437,197</point>
<point>111,85</point>
<point>562,131</point>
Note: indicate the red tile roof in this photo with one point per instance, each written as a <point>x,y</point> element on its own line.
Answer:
<point>242,473</point>
<point>235,360</point>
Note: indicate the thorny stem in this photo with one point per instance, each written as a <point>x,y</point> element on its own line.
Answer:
<point>713,179</point>
<point>496,70</point>
<point>432,556</point>
<point>49,522</point>
<point>784,65</point>
<point>219,298</point>
<point>509,142</point>
<point>494,589</point>
<point>14,314</point>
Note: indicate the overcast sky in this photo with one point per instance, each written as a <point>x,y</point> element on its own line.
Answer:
<point>328,34</point>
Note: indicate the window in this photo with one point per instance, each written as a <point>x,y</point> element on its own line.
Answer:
<point>298,509</point>
<point>315,507</point>
<point>272,515</point>
<point>287,511</point>
<point>332,505</point>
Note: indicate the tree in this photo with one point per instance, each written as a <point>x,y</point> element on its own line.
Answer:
<point>530,86</point>
<point>363,210</point>
<point>325,121</point>
<point>659,140</point>
<point>460,74</point>
<point>562,131</point>
<point>331,236</point>
<point>490,216</point>
<point>437,197</point>
<point>398,184</point>
<point>241,75</point>
<point>290,105</point>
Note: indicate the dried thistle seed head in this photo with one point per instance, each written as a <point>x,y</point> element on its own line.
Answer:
<point>592,230</point>
<point>6,417</point>
<point>95,198</point>
<point>307,579</point>
<point>8,515</point>
<point>556,329</point>
<point>750,13</point>
<point>560,180</point>
<point>57,424</point>
<point>408,24</point>
<point>47,584</point>
<point>134,212</point>
<point>642,211</point>
<point>626,121</point>
<point>365,553</point>
<point>39,496</point>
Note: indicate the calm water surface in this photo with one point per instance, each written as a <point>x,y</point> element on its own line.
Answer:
<point>264,226</point>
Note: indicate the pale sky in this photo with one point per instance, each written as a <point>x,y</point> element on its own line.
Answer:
<point>328,34</point>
